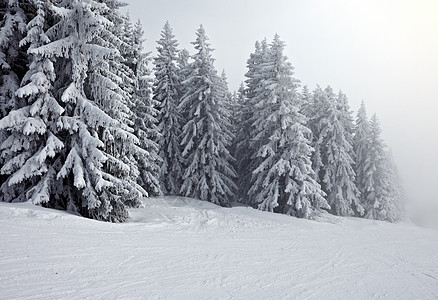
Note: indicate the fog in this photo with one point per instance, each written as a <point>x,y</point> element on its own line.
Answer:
<point>382,52</point>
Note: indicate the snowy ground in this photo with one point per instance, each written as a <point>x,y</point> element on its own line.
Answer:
<point>178,248</point>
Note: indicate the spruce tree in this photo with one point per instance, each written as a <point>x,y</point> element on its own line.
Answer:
<point>394,209</point>
<point>363,163</point>
<point>84,176</point>
<point>380,202</point>
<point>109,85</point>
<point>146,113</point>
<point>167,92</point>
<point>206,134</point>
<point>32,143</point>
<point>13,57</point>
<point>283,178</point>
<point>245,153</point>
<point>241,145</point>
<point>14,16</point>
<point>230,103</point>
<point>229,109</point>
<point>333,159</point>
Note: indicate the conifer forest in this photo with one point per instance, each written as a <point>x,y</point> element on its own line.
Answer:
<point>93,123</point>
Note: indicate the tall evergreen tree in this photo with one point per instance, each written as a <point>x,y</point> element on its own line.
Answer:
<point>393,210</point>
<point>363,162</point>
<point>245,152</point>
<point>146,112</point>
<point>13,57</point>
<point>384,200</point>
<point>14,15</point>
<point>377,179</point>
<point>241,144</point>
<point>109,86</point>
<point>32,143</point>
<point>167,92</point>
<point>206,134</point>
<point>83,175</point>
<point>229,100</point>
<point>284,176</point>
<point>229,110</point>
<point>333,159</point>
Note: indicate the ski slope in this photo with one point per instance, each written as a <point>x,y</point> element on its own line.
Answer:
<point>180,248</point>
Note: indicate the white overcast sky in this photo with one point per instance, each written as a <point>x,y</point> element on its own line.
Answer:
<point>382,51</point>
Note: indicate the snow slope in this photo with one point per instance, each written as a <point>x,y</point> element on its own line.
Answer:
<point>180,248</point>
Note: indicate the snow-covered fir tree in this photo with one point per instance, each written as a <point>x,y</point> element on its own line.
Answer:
<point>32,143</point>
<point>241,144</point>
<point>229,100</point>
<point>363,165</point>
<point>167,92</point>
<point>245,153</point>
<point>333,159</point>
<point>83,175</point>
<point>206,134</point>
<point>145,110</point>
<point>395,210</point>
<point>384,199</point>
<point>230,109</point>
<point>13,58</point>
<point>14,15</point>
<point>283,178</point>
<point>109,85</point>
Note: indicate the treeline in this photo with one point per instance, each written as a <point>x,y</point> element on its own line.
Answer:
<point>86,126</point>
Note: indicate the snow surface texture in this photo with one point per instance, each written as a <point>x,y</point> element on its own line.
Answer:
<point>180,248</point>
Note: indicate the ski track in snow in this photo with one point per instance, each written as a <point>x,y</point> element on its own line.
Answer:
<point>180,248</point>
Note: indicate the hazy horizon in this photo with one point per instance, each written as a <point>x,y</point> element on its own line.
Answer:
<point>382,52</point>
